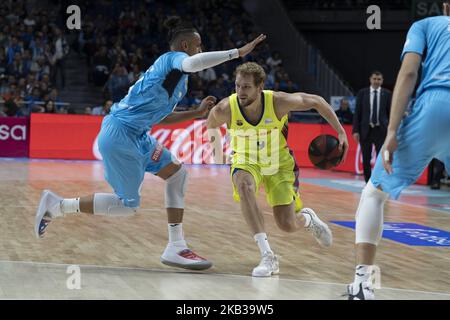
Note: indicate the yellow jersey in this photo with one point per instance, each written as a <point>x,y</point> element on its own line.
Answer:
<point>263,144</point>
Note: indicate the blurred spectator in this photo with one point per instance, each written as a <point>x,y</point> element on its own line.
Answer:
<point>3,111</point>
<point>208,74</point>
<point>274,60</point>
<point>88,110</point>
<point>218,89</point>
<point>61,49</point>
<point>291,87</point>
<point>344,113</point>
<point>118,83</point>
<point>102,65</point>
<point>50,107</point>
<point>102,110</point>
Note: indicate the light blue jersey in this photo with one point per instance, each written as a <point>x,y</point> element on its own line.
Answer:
<point>127,148</point>
<point>430,38</point>
<point>425,133</point>
<point>155,95</point>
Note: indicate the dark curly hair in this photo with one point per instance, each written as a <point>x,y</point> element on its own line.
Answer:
<point>177,27</point>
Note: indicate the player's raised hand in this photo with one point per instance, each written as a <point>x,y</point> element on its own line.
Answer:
<point>243,51</point>
<point>387,152</point>
<point>206,105</point>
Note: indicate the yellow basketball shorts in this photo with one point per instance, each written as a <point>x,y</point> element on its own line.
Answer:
<point>281,188</point>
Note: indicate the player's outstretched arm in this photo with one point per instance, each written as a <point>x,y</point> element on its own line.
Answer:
<point>404,87</point>
<point>219,115</point>
<point>300,101</point>
<point>201,111</point>
<point>205,60</point>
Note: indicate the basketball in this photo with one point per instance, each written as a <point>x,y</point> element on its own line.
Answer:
<point>324,152</point>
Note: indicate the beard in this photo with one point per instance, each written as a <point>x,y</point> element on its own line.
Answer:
<point>246,102</point>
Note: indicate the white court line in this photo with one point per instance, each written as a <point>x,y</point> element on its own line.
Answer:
<point>206,273</point>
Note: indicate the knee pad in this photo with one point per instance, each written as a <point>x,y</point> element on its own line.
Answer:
<point>369,216</point>
<point>108,204</point>
<point>175,188</point>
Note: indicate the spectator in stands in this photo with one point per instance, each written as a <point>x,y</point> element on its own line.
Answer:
<point>291,87</point>
<point>13,48</point>
<point>49,107</point>
<point>118,83</point>
<point>274,60</point>
<point>344,113</point>
<point>11,107</point>
<point>102,65</point>
<point>218,89</point>
<point>102,110</point>
<point>3,111</point>
<point>88,110</point>
<point>134,74</point>
<point>60,49</point>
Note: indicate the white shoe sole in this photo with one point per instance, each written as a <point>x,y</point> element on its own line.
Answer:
<point>273,273</point>
<point>201,265</point>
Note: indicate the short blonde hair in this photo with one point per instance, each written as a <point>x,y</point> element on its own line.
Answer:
<point>254,69</point>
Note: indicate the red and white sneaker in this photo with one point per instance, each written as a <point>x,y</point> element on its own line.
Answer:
<point>180,256</point>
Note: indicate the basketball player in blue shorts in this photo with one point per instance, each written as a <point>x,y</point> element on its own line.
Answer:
<point>412,142</point>
<point>129,152</point>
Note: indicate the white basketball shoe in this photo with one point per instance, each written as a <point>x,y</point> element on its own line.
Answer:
<point>319,229</point>
<point>180,256</point>
<point>50,208</point>
<point>360,291</point>
<point>268,265</point>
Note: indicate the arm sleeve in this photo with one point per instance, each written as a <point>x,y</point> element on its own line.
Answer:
<point>206,60</point>
<point>416,39</point>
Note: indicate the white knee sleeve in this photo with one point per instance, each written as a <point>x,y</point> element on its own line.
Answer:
<point>108,204</point>
<point>369,216</point>
<point>175,188</point>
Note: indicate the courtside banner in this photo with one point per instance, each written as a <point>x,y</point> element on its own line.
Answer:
<point>60,136</point>
<point>14,137</point>
<point>75,137</point>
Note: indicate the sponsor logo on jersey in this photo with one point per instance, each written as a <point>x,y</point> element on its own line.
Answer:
<point>156,156</point>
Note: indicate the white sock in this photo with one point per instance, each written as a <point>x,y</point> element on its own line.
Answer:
<point>175,233</point>
<point>70,205</point>
<point>362,273</point>
<point>261,241</point>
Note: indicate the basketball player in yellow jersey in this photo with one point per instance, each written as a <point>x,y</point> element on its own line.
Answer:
<point>257,123</point>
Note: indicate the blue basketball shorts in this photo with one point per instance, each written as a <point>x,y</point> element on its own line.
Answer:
<point>127,157</point>
<point>422,136</point>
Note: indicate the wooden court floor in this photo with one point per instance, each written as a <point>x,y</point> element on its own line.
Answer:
<point>119,257</point>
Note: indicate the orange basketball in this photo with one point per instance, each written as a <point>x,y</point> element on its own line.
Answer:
<point>324,152</point>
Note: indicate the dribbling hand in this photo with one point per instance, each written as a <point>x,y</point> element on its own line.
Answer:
<point>206,105</point>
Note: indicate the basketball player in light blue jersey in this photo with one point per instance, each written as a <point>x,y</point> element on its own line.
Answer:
<point>129,152</point>
<point>412,142</point>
